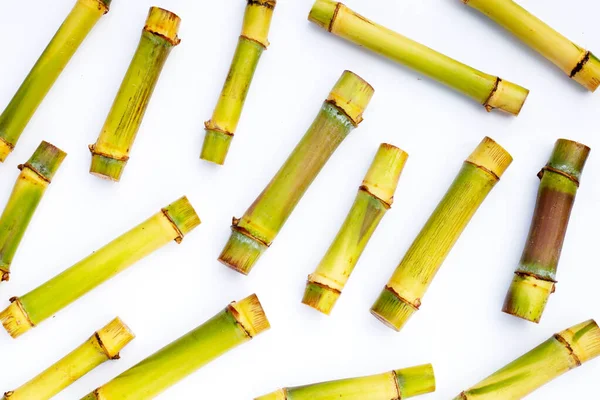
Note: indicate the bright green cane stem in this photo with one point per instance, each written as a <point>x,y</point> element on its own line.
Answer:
<point>226,116</point>
<point>104,345</point>
<point>256,230</point>
<point>578,63</point>
<point>535,278</point>
<point>488,90</point>
<point>374,198</point>
<point>46,71</point>
<point>171,223</point>
<point>561,353</point>
<point>394,385</point>
<point>401,297</point>
<point>36,174</point>
<point>111,151</point>
<point>237,324</point>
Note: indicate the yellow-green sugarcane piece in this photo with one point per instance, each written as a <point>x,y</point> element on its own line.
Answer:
<point>535,278</point>
<point>80,21</point>
<point>36,174</point>
<point>252,43</point>
<point>398,384</point>
<point>561,353</point>
<point>579,64</point>
<point>402,295</point>
<point>238,323</point>
<point>256,230</point>
<point>111,151</point>
<point>171,223</point>
<point>375,196</point>
<point>104,345</point>
<point>490,91</point>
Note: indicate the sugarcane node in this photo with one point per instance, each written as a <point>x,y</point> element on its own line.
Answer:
<point>180,235</point>
<point>247,233</point>
<point>32,168</point>
<point>323,285</point>
<point>96,152</point>
<point>580,64</point>
<point>487,105</point>
<point>566,343</point>
<point>396,385</point>
<point>102,5</point>
<point>5,275</point>
<point>163,23</point>
<point>211,126</point>
<point>558,171</point>
<point>366,189</point>
<point>7,144</point>
<point>263,3</point>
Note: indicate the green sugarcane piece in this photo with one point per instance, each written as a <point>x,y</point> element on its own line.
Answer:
<point>80,21</point>
<point>111,151</point>
<point>375,196</point>
<point>252,43</point>
<point>559,354</point>
<point>579,64</point>
<point>237,324</point>
<point>36,174</point>
<point>401,297</point>
<point>104,345</point>
<point>398,384</point>
<point>535,278</point>
<point>256,230</point>
<point>171,223</point>
<point>488,90</point>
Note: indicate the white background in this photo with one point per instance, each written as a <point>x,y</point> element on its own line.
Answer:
<point>459,329</point>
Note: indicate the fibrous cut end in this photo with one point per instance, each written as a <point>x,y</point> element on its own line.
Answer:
<point>352,95</point>
<point>183,215</point>
<point>257,21</point>
<point>415,381</point>
<point>507,97</point>
<point>588,74</point>
<point>278,395</point>
<point>250,314</point>
<point>392,310</point>
<point>491,156</point>
<point>527,297</point>
<point>216,146</point>
<point>114,337</point>
<point>584,340</point>
<point>320,297</point>
<point>46,160</point>
<point>241,252</point>
<point>569,157</point>
<point>15,319</point>
<point>383,175</point>
<point>163,23</point>
<point>323,12</point>
<point>107,168</point>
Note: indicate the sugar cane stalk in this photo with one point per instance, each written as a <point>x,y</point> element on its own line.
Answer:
<point>486,89</point>
<point>535,278</point>
<point>398,384</point>
<point>171,223</point>
<point>252,43</point>
<point>374,198</point>
<point>256,230</point>
<point>579,64</point>
<point>111,151</point>
<point>237,324</point>
<point>401,297</point>
<point>559,354</point>
<point>46,71</point>
<point>104,345</point>
<point>36,174</point>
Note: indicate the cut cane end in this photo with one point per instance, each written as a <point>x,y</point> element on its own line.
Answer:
<point>46,160</point>
<point>415,381</point>
<point>15,320</point>
<point>250,314</point>
<point>107,168</point>
<point>352,95</point>
<point>164,23</point>
<point>527,297</point>
<point>392,310</point>
<point>216,146</point>
<point>569,157</point>
<point>320,297</point>
<point>323,12</point>
<point>183,215</point>
<point>384,173</point>
<point>589,73</point>
<point>114,337</point>
<point>241,252</point>
<point>491,156</point>
<point>507,97</point>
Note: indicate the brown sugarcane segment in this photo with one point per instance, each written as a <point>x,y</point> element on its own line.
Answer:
<point>104,345</point>
<point>255,231</point>
<point>561,353</point>
<point>252,43</point>
<point>374,198</point>
<point>171,223</point>
<point>111,151</point>
<point>71,34</point>
<point>579,64</point>
<point>394,385</point>
<point>36,174</point>
<point>237,324</point>
<point>401,297</point>
<point>535,278</point>
<point>490,91</point>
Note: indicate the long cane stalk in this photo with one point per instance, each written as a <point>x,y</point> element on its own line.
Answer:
<point>535,278</point>
<point>226,116</point>
<point>36,174</point>
<point>256,230</point>
<point>559,354</point>
<point>171,223</point>
<point>374,198</point>
<point>46,71</point>
<point>111,151</point>
<point>486,89</point>
<point>398,384</point>
<point>401,297</point>
<point>579,64</point>
<point>237,324</point>
<point>104,345</point>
